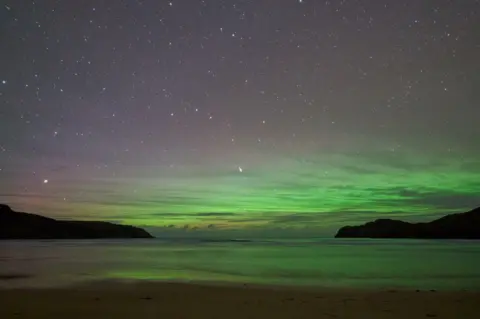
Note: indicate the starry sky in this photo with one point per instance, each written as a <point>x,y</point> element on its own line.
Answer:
<point>265,115</point>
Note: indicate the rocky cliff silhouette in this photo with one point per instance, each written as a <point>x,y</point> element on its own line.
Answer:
<point>17,225</point>
<point>454,226</point>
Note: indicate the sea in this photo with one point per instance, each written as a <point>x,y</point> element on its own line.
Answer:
<point>314,262</point>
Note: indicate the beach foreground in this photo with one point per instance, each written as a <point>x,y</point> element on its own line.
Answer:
<point>172,300</point>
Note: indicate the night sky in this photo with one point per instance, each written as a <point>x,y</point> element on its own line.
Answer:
<point>280,115</point>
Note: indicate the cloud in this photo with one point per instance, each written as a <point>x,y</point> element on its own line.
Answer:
<point>447,201</point>
<point>303,190</point>
<point>296,218</point>
<point>215,214</point>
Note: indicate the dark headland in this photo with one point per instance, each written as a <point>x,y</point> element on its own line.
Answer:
<point>454,226</point>
<point>17,225</point>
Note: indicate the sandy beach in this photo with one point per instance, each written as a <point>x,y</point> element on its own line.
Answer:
<point>172,300</point>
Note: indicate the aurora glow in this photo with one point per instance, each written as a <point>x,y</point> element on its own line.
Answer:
<point>311,122</point>
<point>325,191</point>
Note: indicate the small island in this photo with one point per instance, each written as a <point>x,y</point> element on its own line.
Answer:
<point>18,225</point>
<point>454,226</point>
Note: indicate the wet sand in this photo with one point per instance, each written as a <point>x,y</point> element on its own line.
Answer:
<point>172,300</point>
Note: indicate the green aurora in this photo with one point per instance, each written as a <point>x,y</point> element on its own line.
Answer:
<point>240,116</point>
<point>314,191</point>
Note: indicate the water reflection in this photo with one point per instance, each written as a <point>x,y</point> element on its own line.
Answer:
<point>317,262</point>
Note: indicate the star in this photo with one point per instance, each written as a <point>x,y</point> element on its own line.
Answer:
<point>115,95</point>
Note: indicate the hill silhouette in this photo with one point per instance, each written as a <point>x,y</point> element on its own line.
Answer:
<point>19,225</point>
<point>455,226</point>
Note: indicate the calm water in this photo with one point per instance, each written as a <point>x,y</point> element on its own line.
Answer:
<point>317,262</point>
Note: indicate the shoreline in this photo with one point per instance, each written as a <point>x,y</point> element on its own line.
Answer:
<point>147,299</point>
<point>105,282</point>
<point>126,284</point>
